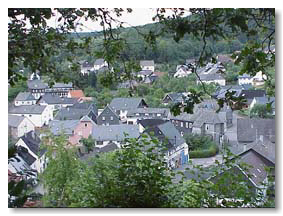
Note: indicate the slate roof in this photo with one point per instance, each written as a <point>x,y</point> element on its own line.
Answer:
<point>14,121</point>
<point>211,76</point>
<point>162,111</point>
<point>99,61</point>
<point>246,86</point>
<point>105,111</point>
<point>125,103</point>
<point>247,129</point>
<point>87,64</point>
<point>147,63</point>
<point>183,117</point>
<point>28,109</point>
<point>33,143</point>
<point>207,117</point>
<point>147,123</point>
<point>86,105</point>
<point>175,97</point>
<point>244,76</point>
<point>36,84</point>
<point>56,126</point>
<point>170,132</point>
<point>76,93</point>
<point>108,148</point>
<point>63,85</point>
<point>71,113</point>
<point>250,94</point>
<point>220,93</point>
<point>114,132</point>
<point>266,150</point>
<point>55,99</point>
<point>25,155</point>
<point>24,96</point>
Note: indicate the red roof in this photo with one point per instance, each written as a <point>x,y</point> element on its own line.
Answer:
<point>76,93</point>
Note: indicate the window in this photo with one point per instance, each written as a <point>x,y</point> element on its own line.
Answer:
<point>146,114</point>
<point>182,133</point>
<point>187,124</point>
<point>99,143</point>
<point>30,115</point>
<point>158,114</point>
<point>206,127</point>
<point>111,117</point>
<point>137,114</point>
<point>190,125</point>
<point>103,118</point>
<point>182,124</point>
<point>85,124</point>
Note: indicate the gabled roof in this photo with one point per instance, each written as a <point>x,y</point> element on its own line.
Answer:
<point>25,155</point>
<point>175,97</point>
<point>183,117</point>
<point>250,130</point>
<point>146,63</point>
<point>76,93</point>
<point>108,148</point>
<point>56,126</point>
<point>125,103</point>
<point>171,133</point>
<point>147,123</point>
<point>36,84</point>
<point>33,143</point>
<point>108,109</point>
<point>99,61</point>
<point>87,64</point>
<point>63,85</point>
<point>28,109</point>
<point>145,72</point>
<point>71,113</point>
<point>115,132</point>
<point>24,96</point>
<point>250,94</point>
<point>14,121</point>
<point>211,76</point>
<point>206,117</point>
<point>55,99</point>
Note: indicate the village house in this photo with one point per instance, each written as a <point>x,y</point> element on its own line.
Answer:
<point>148,123</point>
<point>99,64</point>
<point>182,71</point>
<point>108,117</point>
<point>256,80</point>
<point>134,115</point>
<point>82,130</point>
<point>249,95</point>
<point>66,127</point>
<point>37,88</point>
<point>60,89</point>
<point>24,98</point>
<point>177,153</point>
<point>147,65</point>
<point>122,105</point>
<point>212,78</point>
<point>54,102</point>
<point>254,131</point>
<point>75,94</point>
<point>19,125</point>
<point>208,123</point>
<point>172,98</point>
<point>31,142</point>
<point>183,122</point>
<point>38,115</point>
<point>105,135</point>
<point>87,67</point>
<point>77,111</point>
<point>143,74</point>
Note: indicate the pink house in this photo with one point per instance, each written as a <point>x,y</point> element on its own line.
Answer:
<point>82,130</point>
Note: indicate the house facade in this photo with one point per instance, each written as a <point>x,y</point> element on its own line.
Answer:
<point>122,105</point>
<point>19,125</point>
<point>37,88</point>
<point>99,64</point>
<point>54,102</point>
<point>183,123</point>
<point>24,98</point>
<point>147,65</point>
<point>108,117</point>
<point>144,113</point>
<point>182,71</point>
<point>82,130</point>
<point>60,89</point>
<point>87,67</point>
<point>38,115</point>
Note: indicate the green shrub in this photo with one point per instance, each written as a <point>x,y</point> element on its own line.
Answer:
<point>211,151</point>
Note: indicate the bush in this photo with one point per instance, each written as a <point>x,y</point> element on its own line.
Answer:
<point>213,150</point>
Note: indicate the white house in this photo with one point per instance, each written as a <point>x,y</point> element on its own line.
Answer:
<point>54,102</point>
<point>212,78</point>
<point>147,65</point>
<point>259,79</point>
<point>19,125</point>
<point>24,98</point>
<point>100,63</point>
<point>245,79</point>
<point>31,143</point>
<point>182,71</point>
<point>86,67</point>
<point>38,115</point>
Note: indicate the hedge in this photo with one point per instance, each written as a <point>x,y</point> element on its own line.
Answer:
<point>211,151</point>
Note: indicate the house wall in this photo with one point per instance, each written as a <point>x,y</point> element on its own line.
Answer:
<point>82,130</point>
<point>107,117</point>
<point>221,82</point>
<point>184,127</point>
<point>30,102</point>
<point>173,156</point>
<point>242,81</point>
<point>37,93</point>
<point>24,127</point>
<point>97,67</point>
<point>148,68</point>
